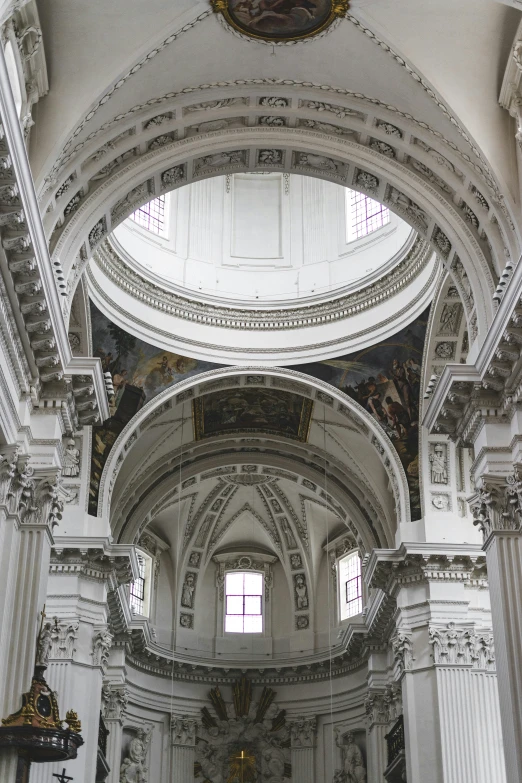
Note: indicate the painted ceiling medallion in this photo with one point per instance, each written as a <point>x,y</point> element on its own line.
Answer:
<point>280,20</point>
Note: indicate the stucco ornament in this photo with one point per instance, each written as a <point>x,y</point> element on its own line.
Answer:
<point>244,736</point>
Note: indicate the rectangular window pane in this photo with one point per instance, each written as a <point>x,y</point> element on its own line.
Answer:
<point>365,215</point>
<point>253,624</point>
<point>235,604</point>
<point>234,584</point>
<point>252,604</point>
<point>152,215</point>
<point>253,584</point>
<point>234,623</point>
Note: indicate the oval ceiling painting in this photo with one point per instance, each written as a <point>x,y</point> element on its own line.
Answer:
<point>280,20</point>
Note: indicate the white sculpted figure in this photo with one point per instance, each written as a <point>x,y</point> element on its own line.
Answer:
<point>45,641</point>
<point>439,472</point>
<point>187,594</point>
<point>354,768</point>
<point>133,769</point>
<point>71,461</point>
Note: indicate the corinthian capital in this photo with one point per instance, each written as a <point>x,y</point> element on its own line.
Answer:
<point>303,732</point>
<point>497,504</point>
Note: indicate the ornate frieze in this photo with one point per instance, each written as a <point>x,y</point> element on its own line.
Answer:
<point>110,262</point>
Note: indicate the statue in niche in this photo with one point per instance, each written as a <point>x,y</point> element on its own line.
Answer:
<point>44,644</point>
<point>187,593</point>
<point>301,592</point>
<point>290,538</point>
<point>133,769</point>
<point>439,464</point>
<point>71,461</point>
<point>354,768</point>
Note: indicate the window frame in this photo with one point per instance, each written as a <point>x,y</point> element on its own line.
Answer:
<point>342,594</point>
<point>351,200</point>
<point>146,581</point>
<point>244,595</point>
<point>145,225</point>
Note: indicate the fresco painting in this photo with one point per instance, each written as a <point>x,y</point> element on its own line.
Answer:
<point>252,410</point>
<point>139,372</point>
<point>385,379</point>
<point>276,19</point>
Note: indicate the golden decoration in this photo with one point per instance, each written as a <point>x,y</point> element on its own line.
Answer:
<point>242,768</point>
<point>72,721</point>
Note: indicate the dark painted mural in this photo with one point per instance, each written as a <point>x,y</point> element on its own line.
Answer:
<point>139,372</point>
<point>385,379</point>
<point>252,410</point>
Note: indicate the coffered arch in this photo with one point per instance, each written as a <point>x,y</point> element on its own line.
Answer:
<point>382,153</point>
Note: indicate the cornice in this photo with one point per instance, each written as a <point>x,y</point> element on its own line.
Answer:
<point>33,283</point>
<point>110,262</point>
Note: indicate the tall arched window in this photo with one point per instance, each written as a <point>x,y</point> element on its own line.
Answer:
<point>244,602</point>
<point>350,587</point>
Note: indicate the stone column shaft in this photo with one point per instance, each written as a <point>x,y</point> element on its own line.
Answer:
<point>183,758</point>
<point>504,560</point>
<point>303,767</point>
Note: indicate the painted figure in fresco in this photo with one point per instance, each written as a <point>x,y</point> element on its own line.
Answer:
<point>372,398</point>
<point>399,375</point>
<point>277,17</point>
<point>398,417</point>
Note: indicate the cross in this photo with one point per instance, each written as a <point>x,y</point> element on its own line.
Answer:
<point>62,777</point>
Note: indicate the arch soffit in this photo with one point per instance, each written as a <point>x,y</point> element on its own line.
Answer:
<point>468,244</point>
<point>290,380</point>
<point>349,496</point>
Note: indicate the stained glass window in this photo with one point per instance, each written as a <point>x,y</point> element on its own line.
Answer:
<point>244,604</point>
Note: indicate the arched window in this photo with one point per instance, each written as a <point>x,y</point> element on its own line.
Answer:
<point>243,602</point>
<point>363,215</point>
<point>139,598</point>
<point>152,216</point>
<point>350,587</point>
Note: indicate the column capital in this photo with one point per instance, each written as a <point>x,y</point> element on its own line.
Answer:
<point>101,645</point>
<point>114,701</point>
<point>383,705</point>
<point>183,731</point>
<point>497,504</point>
<point>455,645</point>
<point>303,732</point>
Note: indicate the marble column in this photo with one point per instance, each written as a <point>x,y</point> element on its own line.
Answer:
<point>183,731</point>
<point>303,734</point>
<point>497,509</point>
<point>114,704</point>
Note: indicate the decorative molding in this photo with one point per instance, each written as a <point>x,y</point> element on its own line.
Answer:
<point>407,270</point>
<point>183,731</point>
<point>101,645</point>
<point>303,732</point>
<point>114,701</point>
